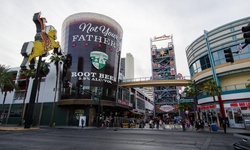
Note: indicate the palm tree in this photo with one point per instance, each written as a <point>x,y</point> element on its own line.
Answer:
<point>56,59</point>
<point>191,90</point>
<point>44,70</point>
<point>6,83</point>
<point>185,106</point>
<point>248,85</point>
<point>27,74</point>
<point>211,88</point>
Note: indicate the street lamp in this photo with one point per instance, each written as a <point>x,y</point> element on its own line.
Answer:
<point>96,98</point>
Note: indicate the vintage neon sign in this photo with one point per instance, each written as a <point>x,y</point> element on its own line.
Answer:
<point>163,37</point>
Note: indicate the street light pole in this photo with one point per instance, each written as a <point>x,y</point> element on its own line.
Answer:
<point>96,98</point>
<point>196,101</point>
<point>99,107</point>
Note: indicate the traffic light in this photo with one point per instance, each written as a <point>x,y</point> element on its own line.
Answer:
<point>229,55</point>
<point>68,60</point>
<point>66,83</point>
<point>246,33</point>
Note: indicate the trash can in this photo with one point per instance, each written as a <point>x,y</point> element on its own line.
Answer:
<point>214,127</point>
<point>247,124</point>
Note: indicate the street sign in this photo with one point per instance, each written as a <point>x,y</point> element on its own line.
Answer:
<point>186,100</point>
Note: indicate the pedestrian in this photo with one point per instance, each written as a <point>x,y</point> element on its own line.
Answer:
<point>183,123</point>
<point>157,123</point>
<point>107,123</point>
<point>82,121</point>
<point>224,124</point>
<point>151,123</point>
<point>197,125</point>
<point>202,124</point>
<point>175,123</point>
<point>192,123</point>
<point>209,126</point>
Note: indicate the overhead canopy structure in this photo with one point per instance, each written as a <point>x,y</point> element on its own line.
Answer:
<point>166,108</point>
<point>137,113</point>
<point>155,83</point>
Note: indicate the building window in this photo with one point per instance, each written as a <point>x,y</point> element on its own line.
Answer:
<point>19,95</point>
<point>234,37</point>
<point>237,115</point>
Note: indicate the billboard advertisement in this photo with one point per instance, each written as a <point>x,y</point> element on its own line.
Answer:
<point>93,42</point>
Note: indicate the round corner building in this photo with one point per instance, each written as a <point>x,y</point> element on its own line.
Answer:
<point>92,44</point>
<point>208,59</point>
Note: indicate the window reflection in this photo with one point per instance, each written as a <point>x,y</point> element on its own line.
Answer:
<point>219,58</point>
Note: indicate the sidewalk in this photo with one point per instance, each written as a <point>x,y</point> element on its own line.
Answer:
<point>21,128</point>
<point>16,128</point>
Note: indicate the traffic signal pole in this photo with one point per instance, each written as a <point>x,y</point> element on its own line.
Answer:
<point>222,110</point>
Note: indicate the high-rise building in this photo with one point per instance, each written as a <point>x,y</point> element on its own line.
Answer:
<point>129,66</point>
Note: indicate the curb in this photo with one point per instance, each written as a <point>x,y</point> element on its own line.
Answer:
<point>17,128</point>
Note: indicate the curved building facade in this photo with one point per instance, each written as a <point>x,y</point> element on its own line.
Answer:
<point>92,43</point>
<point>206,60</point>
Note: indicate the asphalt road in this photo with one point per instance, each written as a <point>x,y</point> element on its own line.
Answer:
<point>108,139</point>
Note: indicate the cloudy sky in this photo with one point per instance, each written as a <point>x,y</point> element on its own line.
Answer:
<point>141,20</point>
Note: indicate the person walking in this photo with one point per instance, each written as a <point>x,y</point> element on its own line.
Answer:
<point>192,123</point>
<point>183,123</point>
<point>209,126</point>
<point>82,121</point>
<point>198,125</point>
<point>107,123</point>
<point>151,123</point>
<point>224,124</point>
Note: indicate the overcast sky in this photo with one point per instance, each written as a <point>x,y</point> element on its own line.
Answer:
<point>141,20</point>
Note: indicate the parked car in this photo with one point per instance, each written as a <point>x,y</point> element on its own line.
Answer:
<point>244,143</point>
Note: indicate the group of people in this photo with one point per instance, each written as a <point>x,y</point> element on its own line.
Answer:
<point>156,122</point>
<point>199,124</point>
<point>190,123</point>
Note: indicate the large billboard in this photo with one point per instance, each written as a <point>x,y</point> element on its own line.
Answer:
<point>93,41</point>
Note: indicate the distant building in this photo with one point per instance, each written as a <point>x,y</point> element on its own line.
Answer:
<point>129,66</point>
<point>148,91</point>
<point>122,66</point>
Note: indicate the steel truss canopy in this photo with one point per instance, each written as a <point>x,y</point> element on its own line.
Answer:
<point>155,83</point>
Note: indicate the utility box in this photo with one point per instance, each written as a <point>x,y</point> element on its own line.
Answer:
<point>247,124</point>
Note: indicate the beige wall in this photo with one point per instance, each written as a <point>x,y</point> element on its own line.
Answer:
<point>234,80</point>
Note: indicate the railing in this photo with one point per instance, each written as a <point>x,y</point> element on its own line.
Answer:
<point>150,78</point>
<point>234,87</point>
